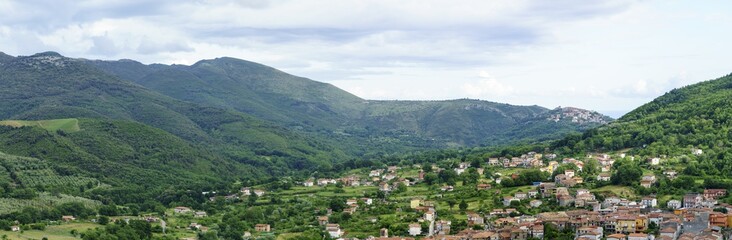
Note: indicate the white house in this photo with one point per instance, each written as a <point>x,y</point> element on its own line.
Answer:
<point>638,236</point>
<point>697,152</point>
<point>649,201</point>
<point>654,161</point>
<point>603,177</point>
<point>415,229</point>
<point>334,230</point>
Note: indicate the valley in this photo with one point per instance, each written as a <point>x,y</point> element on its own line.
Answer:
<point>231,149</point>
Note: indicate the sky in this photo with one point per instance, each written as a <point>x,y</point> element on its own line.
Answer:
<point>608,56</point>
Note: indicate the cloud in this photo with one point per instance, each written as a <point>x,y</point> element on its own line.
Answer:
<point>644,88</point>
<point>148,46</point>
<point>607,51</point>
<point>103,45</point>
<point>487,88</point>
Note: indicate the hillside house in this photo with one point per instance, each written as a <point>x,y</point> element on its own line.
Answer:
<point>14,228</point>
<point>673,204</point>
<point>181,210</point>
<point>308,183</point>
<point>483,186</point>
<point>415,229</point>
<point>603,177</point>
<point>200,214</point>
<point>68,218</point>
<point>654,161</point>
<point>442,227</point>
<point>714,193</point>
<point>535,203</point>
<point>475,219</point>
<point>430,215</point>
<point>246,191</point>
<point>262,228</point>
<point>671,174</point>
<point>638,236</point>
<point>617,236</point>
<point>693,200</point>
<point>334,230</point>
<point>569,173</point>
<point>259,192</point>
<point>384,187</point>
<point>323,220</point>
<point>669,232</point>
<point>649,201</point>
<point>589,232</point>
<point>520,195</point>
<point>697,152</point>
<point>533,193</point>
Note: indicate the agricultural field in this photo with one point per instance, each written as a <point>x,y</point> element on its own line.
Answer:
<point>66,125</point>
<point>43,200</point>
<point>54,232</point>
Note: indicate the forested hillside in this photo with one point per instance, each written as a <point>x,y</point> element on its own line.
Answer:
<point>325,111</point>
<point>682,120</point>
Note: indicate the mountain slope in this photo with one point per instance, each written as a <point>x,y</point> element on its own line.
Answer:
<point>328,112</point>
<point>50,86</point>
<point>247,87</point>
<point>696,116</point>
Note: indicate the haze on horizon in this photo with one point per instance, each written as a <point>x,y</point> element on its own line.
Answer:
<point>609,56</point>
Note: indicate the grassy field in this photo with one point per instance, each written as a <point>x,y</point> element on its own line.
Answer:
<point>66,125</point>
<point>620,191</point>
<point>60,232</point>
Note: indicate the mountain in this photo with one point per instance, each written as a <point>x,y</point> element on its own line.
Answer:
<point>129,130</point>
<point>693,117</point>
<point>328,112</point>
<point>226,119</point>
<point>4,57</point>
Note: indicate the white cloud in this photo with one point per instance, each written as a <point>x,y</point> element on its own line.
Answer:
<point>487,88</point>
<point>406,49</point>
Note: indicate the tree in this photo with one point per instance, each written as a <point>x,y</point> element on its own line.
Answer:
<point>430,178</point>
<point>451,202</point>
<point>103,220</point>
<point>471,176</point>
<point>463,205</point>
<point>591,167</point>
<point>627,174</point>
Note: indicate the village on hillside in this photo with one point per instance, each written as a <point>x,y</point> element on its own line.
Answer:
<point>533,196</point>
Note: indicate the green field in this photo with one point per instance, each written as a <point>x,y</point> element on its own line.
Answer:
<point>66,125</point>
<point>620,191</point>
<point>60,232</point>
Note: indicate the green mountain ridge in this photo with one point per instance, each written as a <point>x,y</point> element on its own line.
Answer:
<point>145,128</point>
<point>321,108</point>
<point>49,86</point>
<point>692,117</point>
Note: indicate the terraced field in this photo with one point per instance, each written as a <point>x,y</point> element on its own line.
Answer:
<point>66,125</point>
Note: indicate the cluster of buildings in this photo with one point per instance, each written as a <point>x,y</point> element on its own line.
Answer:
<point>528,160</point>
<point>576,115</point>
<point>624,224</point>
<point>386,179</point>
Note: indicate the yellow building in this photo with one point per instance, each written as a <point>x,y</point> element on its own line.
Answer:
<point>641,223</point>
<point>415,203</point>
<point>625,225</point>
